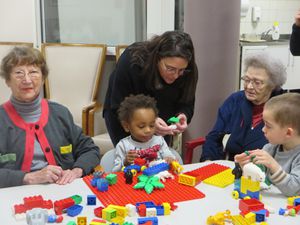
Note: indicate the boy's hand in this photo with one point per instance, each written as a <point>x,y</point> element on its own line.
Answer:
<point>264,158</point>
<point>131,155</point>
<point>242,159</point>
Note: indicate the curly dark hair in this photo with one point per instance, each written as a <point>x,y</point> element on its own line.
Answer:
<point>135,102</point>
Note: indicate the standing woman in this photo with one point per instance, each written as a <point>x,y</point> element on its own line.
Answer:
<point>295,37</point>
<point>163,68</point>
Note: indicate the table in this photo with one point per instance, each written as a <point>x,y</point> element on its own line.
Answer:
<point>193,212</point>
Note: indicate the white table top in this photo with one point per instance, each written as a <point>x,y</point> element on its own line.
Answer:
<point>195,211</point>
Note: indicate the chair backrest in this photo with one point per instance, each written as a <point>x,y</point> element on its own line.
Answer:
<point>107,161</point>
<point>119,50</point>
<point>74,74</point>
<point>5,47</point>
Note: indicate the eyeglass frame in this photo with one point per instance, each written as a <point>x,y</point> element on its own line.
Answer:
<point>257,84</point>
<point>33,74</point>
<point>172,70</point>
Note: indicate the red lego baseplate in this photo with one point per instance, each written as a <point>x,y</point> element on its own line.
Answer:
<point>207,171</point>
<point>122,194</point>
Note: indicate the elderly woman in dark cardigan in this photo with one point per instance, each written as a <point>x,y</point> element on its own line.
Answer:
<point>241,113</point>
<point>40,142</point>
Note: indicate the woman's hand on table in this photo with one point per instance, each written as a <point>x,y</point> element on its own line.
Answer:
<point>49,174</point>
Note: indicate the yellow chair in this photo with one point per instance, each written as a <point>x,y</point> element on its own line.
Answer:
<point>74,77</point>
<point>119,50</point>
<point>5,47</point>
<point>96,124</point>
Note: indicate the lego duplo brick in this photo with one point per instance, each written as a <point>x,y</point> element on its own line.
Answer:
<point>207,171</point>
<point>221,179</point>
<point>122,194</point>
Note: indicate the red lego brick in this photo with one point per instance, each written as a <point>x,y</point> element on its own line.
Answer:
<point>61,205</point>
<point>173,192</point>
<point>20,208</point>
<point>98,211</point>
<point>251,204</point>
<point>207,171</point>
<point>33,202</point>
<point>142,210</point>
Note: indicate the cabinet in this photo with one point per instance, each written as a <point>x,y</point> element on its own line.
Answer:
<point>282,52</point>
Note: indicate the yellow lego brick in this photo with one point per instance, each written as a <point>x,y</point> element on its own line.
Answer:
<point>222,179</point>
<point>291,200</point>
<point>239,220</point>
<point>118,220</point>
<point>187,180</point>
<point>263,223</point>
<point>81,220</point>
<point>250,217</point>
<point>167,208</point>
<point>249,185</point>
<point>121,210</point>
<point>109,213</point>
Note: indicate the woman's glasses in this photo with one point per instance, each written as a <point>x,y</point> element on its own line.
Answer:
<point>20,74</point>
<point>172,70</point>
<point>254,82</point>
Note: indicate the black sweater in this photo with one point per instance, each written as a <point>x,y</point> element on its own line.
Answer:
<point>295,41</point>
<point>127,79</point>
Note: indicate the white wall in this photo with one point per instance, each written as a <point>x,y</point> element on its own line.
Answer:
<point>17,21</point>
<point>282,11</point>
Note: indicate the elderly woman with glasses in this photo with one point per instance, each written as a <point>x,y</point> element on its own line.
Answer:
<point>164,68</point>
<point>40,142</point>
<point>241,113</point>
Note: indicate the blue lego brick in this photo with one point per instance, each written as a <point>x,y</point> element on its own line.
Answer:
<point>91,200</point>
<point>160,210</point>
<point>132,167</point>
<point>102,184</point>
<point>148,204</point>
<point>94,181</point>
<point>297,201</point>
<point>52,218</point>
<point>260,215</point>
<point>254,194</point>
<point>145,219</point>
<point>156,169</point>
<point>281,211</point>
<point>74,210</point>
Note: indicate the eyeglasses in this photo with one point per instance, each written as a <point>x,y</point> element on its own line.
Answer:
<point>172,70</point>
<point>20,74</point>
<point>254,82</point>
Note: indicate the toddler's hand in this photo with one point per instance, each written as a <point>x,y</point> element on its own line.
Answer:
<point>131,155</point>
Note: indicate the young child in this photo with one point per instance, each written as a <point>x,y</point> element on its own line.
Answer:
<point>281,156</point>
<point>137,115</point>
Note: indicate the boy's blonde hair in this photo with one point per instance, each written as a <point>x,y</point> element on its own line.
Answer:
<point>286,110</point>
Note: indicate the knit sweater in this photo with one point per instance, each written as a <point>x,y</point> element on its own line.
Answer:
<point>287,178</point>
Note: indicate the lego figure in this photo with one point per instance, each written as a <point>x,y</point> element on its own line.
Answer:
<point>137,115</point>
<point>128,177</point>
<point>281,156</point>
